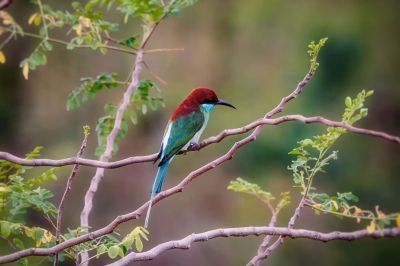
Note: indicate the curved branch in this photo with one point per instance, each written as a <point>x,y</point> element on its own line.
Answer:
<point>211,140</point>
<point>205,236</point>
<point>185,243</point>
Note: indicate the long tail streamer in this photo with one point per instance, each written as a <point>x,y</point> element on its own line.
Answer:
<point>157,185</point>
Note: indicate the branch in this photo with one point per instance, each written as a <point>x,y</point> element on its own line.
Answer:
<point>185,243</point>
<point>264,244</point>
<point>74,160</point>
<point>5,3</point>
<point>67,190</point>
<point>205,236</point>
<point>88,204</point>
<point>211,140</point>
<point>267,250</point>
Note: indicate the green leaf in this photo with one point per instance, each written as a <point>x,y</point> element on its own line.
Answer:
<point>45,177</point>
<point>5,229</point>
<point>29,232</point>
<point>39,233</point>
<point>130,42</point>
<point>35,153</point>
<point>121,252</point>
<point>47,46</point>
<point>39,58</point>
<point>133,117</point>
<point>90,87</point>
<point>18,243</point>
<point>348,102</point>
<point>113,251</point>
<point>364,112</point>
<point>313,51</point>
<point>243,186</point>
<point>70,46</point>
<point>101,249</point>
<point>143,233</point>
<point>144,109</point>
<point>149,11</point>
<point>349,196</point>
<point>178,5</point>
<point>139,244</point>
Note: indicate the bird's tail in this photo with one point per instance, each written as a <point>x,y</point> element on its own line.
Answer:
<point>158,182</point>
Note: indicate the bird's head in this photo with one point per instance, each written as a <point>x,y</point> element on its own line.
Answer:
<point>201,96</point>
<point>196,99</point>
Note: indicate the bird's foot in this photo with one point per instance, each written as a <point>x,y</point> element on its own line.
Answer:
<point>193,146</point>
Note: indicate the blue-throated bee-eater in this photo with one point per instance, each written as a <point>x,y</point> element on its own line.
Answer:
<point>184,128</point>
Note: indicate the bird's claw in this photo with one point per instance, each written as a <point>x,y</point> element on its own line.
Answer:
<point>193,146</point>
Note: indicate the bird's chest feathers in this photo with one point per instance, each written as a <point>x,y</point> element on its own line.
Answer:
<point>206,109</point>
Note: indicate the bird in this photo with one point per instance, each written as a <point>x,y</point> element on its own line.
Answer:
<point>184,128</point>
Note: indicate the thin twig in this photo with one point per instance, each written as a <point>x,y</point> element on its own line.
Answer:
<point>68,188</point>
<point>157,77</point>
<point>46,33</point>
<point>109,47</point>
<point>161,50</point>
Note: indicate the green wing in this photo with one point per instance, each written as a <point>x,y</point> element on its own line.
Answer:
<point>182,131</point>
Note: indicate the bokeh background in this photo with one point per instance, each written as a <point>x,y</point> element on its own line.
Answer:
<point>252,53</point>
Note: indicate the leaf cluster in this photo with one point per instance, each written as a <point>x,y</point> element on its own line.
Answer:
<point>243,186</point>
<point>121,248</point>
<point>19,193</point>
<point>90,87</point>
<point>89,23</point>
<point>312,156</point>
<point>313,51</point>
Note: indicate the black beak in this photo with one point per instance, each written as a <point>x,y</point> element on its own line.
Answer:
<point>222,102</point>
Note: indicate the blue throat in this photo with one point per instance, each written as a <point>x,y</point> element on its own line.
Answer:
<point>207,107</point>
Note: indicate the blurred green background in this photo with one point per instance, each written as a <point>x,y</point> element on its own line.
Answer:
<point>252,53</point>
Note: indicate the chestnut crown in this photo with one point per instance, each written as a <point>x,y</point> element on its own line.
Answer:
<point>196,98</point>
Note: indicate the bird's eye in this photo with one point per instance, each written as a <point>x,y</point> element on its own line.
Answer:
<point>208,101</point>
